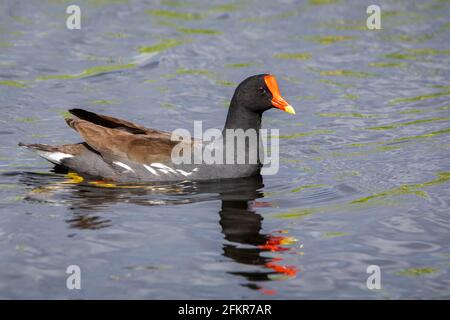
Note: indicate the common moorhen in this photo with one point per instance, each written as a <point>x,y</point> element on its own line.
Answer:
<point>119,150</point>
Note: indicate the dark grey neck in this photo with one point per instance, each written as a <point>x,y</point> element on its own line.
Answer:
<point>241,118</point>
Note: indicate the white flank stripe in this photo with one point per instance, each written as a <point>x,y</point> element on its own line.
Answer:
<point>55,157</point>
<point>162,167</point>
<point>184,173</point>
<point>153,171</point>
<point>123,165</point>
<point>166,170</point>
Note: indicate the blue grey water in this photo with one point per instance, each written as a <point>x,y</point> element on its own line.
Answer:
<point>364,174</point>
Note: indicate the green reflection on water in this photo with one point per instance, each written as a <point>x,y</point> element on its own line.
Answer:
<point>383,64</point>
<point>348,115</point>
<point>305,134</point>
<point>416,272</point>
<point>329,39</point>
<point>419,98</point>
<point>409,123</point>
<point>162,46</point>
<point>294,56</point>
<point>335,234</point>
<point>89,72</point>
<point>347,73</point>
<point>187,16</point>
<point>308,186</point>
<point>442,177</point>
<point>10,83</point>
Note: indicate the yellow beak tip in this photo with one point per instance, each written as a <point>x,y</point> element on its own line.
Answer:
<point>289,109</point>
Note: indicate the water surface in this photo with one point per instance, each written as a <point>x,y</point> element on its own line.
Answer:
<point>364,176</point>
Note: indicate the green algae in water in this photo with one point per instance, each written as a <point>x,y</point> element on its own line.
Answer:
<point>322,2</point>
<point>414,54</point>
<point>417,272</point>
<point>185,30</point>
<point>162,89</point>
<point>402,56</point>
<point>291,79</point>
<point>335,83</point>
<point>162,46</point>
<point>351,96</point>
<point>305,134</point>
<point>348,115</point>
<point>295,214</point>
<point>335,234</point>
<point>230,7</point>
<point>419,98</point>
<point>293,56</point>
<point>347,73</point>
<point>174,3</point>
<point>105,102</point>
<point>183,71</point>
<point>440,86</point>
<point>308,186</point>
<point>403,190</point>
<point>238,65</point>
<point>199,31</point>
<point>442,177</point>
<point>387,64</point>
<point>403,124</point>
<point>5,186</point>
<point>329,39</point>
<point>167,105</point>
<point>407,38</point>
<point>299,213</point>
<point>89,72</point>
<point>402,139</point>
<point>387,148</point>
<point>37,135</point>
<point>408,189</point>
<point>10,83</point>
<point>116,35</point>
<point>428,52</point>
<point>187,16</point>
<point>225,83</point>
<point>26,119</point>
<point>64,113</point>
<point>412,111</point>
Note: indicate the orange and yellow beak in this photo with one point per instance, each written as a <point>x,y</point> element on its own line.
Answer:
<point>277,100</point>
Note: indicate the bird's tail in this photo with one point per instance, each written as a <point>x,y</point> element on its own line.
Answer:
<point>48,152</point>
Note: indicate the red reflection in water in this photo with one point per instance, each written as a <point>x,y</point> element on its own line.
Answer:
<point>274,243</point>
<point>267,291</point>
<point>261,204</point>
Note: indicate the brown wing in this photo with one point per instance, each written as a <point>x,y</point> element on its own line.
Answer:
<point>115,123</point>
<point>117,143</point>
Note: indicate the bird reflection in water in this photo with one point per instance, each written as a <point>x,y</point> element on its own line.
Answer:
<point>245,243</point>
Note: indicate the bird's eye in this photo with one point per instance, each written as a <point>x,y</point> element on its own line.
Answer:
<point>262,90</point>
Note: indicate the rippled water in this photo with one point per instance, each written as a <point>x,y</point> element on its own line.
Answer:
<point>364,177</point>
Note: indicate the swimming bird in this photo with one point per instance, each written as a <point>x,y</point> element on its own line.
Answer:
<point>118,150</point>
